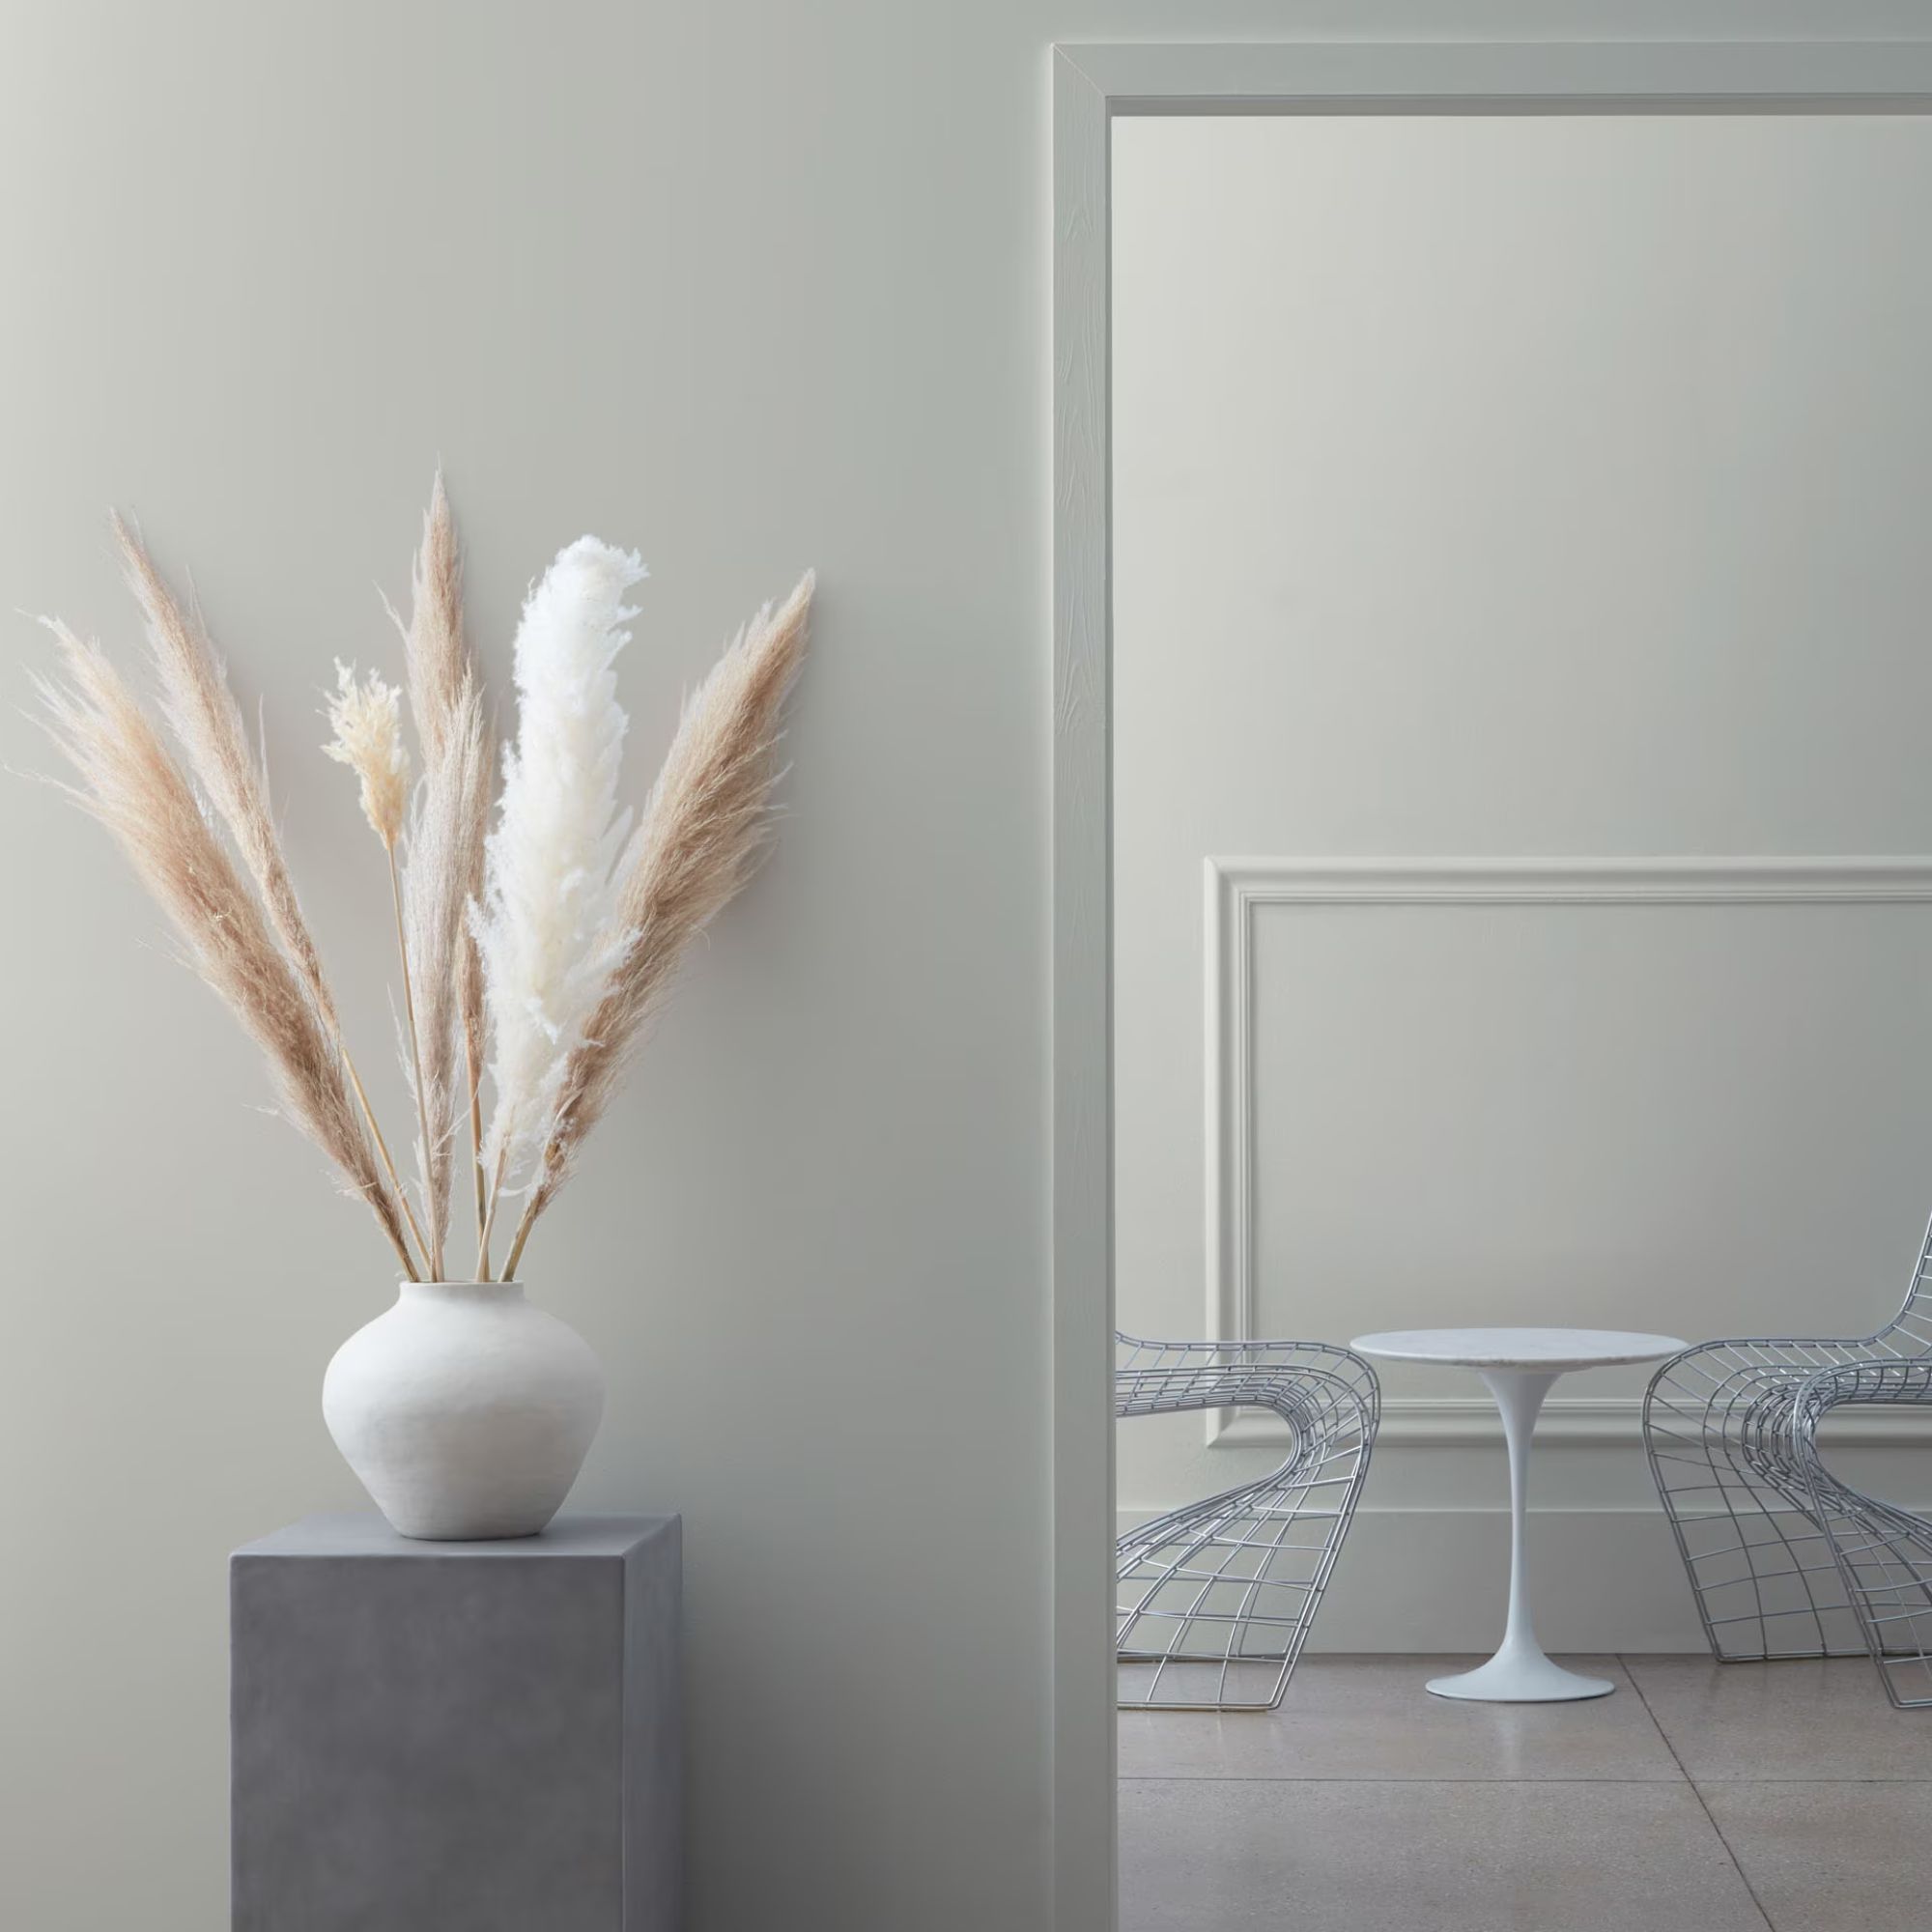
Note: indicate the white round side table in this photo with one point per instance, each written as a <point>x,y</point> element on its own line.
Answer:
<point>1519,1366</point>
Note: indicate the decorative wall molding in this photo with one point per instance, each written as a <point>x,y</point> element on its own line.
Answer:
<point>1235,887</point>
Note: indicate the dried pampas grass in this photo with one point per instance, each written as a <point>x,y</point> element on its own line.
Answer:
<point>201,712</point>
<point>130,784</point>
<point>699,839</point>
<point>545,929</point>
<point>543,945</point>
<point>367,721</point>
<point>445,845</point>
<point>436,663</point>
<point>445,872</point>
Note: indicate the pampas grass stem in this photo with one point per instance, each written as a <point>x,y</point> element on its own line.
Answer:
<point>388,1160</point>
<point>435,1241</point>
<point>524,1223</point>
<point>475,1070</point>
<point>489,1220</point>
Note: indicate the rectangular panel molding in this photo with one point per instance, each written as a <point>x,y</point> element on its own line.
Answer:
<point>1235,887</point>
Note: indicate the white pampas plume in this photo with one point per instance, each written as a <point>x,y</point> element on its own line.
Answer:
<point>368,723</point>
<point>701,834</point>
<point>546,930</point>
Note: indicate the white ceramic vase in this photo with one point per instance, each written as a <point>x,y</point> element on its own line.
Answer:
<point>465,1411</point>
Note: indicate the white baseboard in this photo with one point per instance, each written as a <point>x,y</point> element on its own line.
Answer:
<point>1422,1579</point>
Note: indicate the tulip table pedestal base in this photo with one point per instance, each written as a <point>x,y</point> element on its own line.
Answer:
<point>1518,1366</point>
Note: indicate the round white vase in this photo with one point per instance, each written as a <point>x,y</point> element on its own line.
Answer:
<point>465,1411</point>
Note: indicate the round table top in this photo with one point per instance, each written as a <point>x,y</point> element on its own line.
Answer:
<point>1550,1348</point>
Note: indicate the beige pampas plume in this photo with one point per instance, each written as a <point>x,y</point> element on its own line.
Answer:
<point>444,868</point>
<point>438,665</point>
<point>130,784</point>
<point>444,843</point>
<point>367,721</point>
<point>207,722</point>
<point>699,839</point>
<point>201,712</point>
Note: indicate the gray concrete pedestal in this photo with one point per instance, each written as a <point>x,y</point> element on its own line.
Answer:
<point>483,1737</point>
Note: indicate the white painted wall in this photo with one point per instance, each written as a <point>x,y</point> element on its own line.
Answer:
<point>1502,488</point>
<point>752,284</point>
<point>754,287</point>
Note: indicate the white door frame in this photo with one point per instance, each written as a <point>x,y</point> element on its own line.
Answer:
<point>1092,84</point>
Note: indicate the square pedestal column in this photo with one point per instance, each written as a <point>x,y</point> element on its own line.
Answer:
<point>483,1737</point>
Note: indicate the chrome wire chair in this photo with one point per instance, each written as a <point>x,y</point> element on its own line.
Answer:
<point>1785,1560</point>
<point>1215,1598</point>
<point>1884,1553</point>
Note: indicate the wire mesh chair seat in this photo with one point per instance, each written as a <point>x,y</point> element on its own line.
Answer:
<point>1215,1598</point>
<point>1884,1553</point>
<point>1778,1550</point>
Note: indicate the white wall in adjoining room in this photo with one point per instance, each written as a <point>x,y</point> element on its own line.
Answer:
<point>1538,488</point>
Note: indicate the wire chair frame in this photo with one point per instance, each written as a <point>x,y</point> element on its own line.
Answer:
<point>1215,1599</point>
<point>1884,1553</point>
<point>1785,1560</point>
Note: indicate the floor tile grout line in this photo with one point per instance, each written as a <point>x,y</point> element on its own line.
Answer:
<point>1623,1664</point>
<point>1262,1777</point>
<point>1730,1851</point>
<point>1675,1777</point>
<point>1772,1784</point>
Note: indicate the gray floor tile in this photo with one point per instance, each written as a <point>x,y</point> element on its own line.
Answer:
<point>1301,1856</point>
<point>1370,1717</point>
<point>1832,1857</point>
<point>1805,1720</point>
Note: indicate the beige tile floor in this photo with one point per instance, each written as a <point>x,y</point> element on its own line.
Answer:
<point>1697,1798</point>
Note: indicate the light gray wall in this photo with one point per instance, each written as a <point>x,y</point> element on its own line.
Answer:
<point>752,285</point>
<point>1519,487</point>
